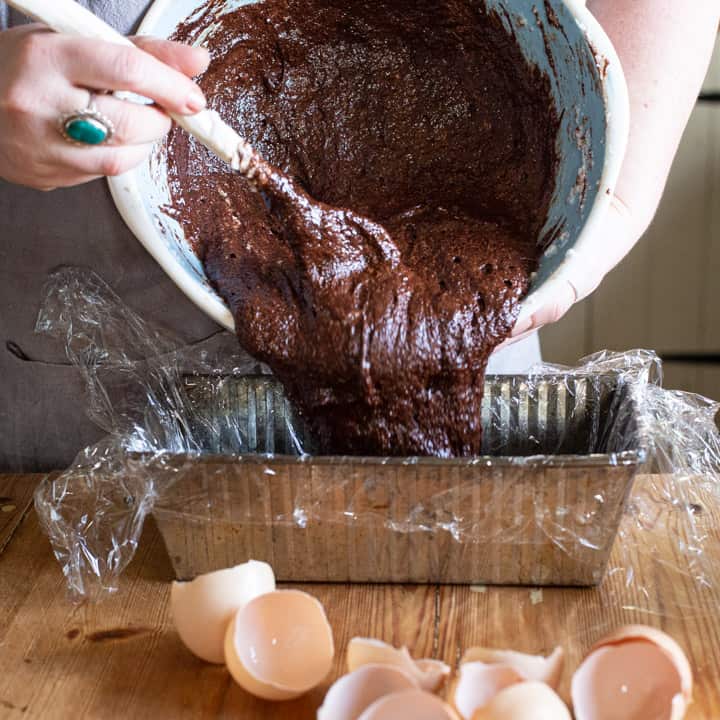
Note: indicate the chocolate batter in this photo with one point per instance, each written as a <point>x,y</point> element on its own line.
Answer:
<point>430,143</point>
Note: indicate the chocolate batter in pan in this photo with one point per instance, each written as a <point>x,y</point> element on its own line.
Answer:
<point>424,125</point>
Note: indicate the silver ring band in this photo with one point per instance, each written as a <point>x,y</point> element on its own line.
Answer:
<point>87,127</point>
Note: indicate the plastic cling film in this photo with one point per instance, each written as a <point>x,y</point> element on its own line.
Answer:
<point>575,460</point>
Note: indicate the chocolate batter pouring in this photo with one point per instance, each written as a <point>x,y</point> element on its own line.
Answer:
<point>425,122</point>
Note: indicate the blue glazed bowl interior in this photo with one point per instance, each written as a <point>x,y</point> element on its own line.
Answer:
<point>551,40</point>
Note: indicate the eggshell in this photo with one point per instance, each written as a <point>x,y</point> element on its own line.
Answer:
<point>279,645</point>
<point>429,673</point>
<point>479,683</point>
<point>410,704</point>
<point>202,608</point>
<point>636,673</point>
<point>530,700</point>
<point>530,667</point>
<point>353,693</point>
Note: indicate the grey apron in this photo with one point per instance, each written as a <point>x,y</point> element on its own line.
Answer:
<point>42,418</point>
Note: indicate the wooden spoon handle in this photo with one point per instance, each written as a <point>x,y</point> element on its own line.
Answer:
<point>69,18</point>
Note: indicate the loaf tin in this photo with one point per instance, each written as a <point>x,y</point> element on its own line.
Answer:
<point>541,506</point>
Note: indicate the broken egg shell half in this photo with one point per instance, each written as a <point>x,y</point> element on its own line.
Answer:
<point>530,700</point>
<point>202,608</point>
<point>479,683</point>
<point>416,704</point>
<point>280,645</point>
<point>352,694</point>
<point>636,673</point>
<point>430,674</point>
<point>529,667</point>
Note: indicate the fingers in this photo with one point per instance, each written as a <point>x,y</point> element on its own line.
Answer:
<point>549,313</point>
<point>44,75</point>
<point>188,60</point>
<point>77,179</point>
<point>137,128</point>
<point>516,338</point>
<point>101,161</point>
<point>134,124</point>
<point>88,63</point>
<point>72,165</point>
<point>612,240</point>
<point>57,163</point>
<point>552,311</point>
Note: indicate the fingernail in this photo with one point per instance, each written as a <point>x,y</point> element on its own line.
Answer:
<point>196,101</point>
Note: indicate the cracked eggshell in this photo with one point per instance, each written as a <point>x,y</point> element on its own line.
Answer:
<point>530,700</point>
<point>479,683</point>
<point>351,694</point>
<point>636,673</point>
<point>430,674</point>
<point>202,608</point>
<point>416,704</point>
<point>280,645</point>
<point>530,667</point>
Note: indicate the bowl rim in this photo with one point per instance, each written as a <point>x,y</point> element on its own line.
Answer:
<point>128,198</point>
<point>617,114</point>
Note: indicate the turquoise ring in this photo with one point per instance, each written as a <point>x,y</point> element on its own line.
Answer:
<point>87,127</point>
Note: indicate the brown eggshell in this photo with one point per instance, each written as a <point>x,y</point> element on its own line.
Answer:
<point>636,673</point>
<point>430,674</point>
<point>664,642</point>
<point>529,667</point>
<point>352,694</point>
<point>530,700</point>
<point>409,705</point>
<point>479,683</point>
<point>202,608</point>
<point>279,645</point>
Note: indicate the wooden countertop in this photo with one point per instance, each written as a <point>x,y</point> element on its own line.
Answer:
<point>122,659</point>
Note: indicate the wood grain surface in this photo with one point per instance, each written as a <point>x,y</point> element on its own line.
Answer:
<point>16,493</point>
<point>122,659</point>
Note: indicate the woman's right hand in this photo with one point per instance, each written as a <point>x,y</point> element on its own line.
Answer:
<point>45,75</point>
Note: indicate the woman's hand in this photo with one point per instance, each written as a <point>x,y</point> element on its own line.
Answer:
<point>45,75</point>
<point>614,238</point>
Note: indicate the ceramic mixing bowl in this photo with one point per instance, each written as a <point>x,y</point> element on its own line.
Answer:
<point>560,37</point>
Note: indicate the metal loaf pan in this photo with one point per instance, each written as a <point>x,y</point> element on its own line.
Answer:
<point>540,507</point>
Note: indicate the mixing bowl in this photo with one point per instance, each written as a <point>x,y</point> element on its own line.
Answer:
<point>561,38</point>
